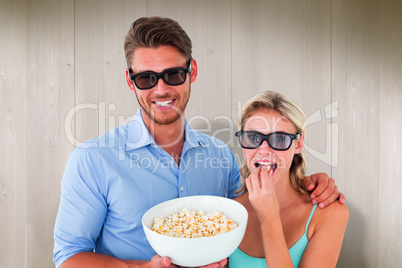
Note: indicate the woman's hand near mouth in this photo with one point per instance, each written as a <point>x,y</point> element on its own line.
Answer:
<point>262,193</point>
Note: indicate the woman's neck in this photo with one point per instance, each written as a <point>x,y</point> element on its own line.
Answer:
<point>287,195</point>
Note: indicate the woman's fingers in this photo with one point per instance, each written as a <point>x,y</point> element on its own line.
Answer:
<point>265,177</point>
<point>253,181</point>
<point>260,180</point>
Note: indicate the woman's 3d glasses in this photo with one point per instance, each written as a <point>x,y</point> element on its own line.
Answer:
<point>279,141</point>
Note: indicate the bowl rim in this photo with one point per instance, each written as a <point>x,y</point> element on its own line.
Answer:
<point>226,199</point>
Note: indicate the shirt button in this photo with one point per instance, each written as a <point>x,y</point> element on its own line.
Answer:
<point>181,189</point>
<point>171,162</point>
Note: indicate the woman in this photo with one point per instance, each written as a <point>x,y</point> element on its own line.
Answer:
<point>284,229</point>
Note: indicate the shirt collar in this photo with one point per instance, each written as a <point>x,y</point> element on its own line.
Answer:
<point>138,135</point>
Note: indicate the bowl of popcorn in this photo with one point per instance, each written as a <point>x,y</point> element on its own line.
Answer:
<point>196,230</point>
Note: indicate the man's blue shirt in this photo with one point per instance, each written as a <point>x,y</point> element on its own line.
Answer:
<point>111,181</point>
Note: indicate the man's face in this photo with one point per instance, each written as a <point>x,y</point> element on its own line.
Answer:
<point>163,104</point>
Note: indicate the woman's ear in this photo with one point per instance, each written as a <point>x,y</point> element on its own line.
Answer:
<point>299,144</point>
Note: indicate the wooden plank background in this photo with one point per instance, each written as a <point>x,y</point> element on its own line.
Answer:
<point>62,82</point>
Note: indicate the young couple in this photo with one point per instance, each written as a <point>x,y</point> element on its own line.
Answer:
<point>104,194</point>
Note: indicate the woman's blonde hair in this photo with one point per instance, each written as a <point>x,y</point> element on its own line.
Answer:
<point>270,100</point>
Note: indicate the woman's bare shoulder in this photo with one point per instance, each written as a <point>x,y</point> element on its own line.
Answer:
<point>333,217</point>
<point>335,213</point>
<point>337,210</point>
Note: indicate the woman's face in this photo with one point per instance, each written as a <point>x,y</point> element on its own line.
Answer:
<point>266,122</point>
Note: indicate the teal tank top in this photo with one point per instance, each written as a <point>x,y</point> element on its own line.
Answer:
<point>239,259</point>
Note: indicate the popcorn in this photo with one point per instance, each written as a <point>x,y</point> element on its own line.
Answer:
<point>189,224</point>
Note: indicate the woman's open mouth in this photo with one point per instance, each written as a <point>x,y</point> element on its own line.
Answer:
<point>270,165</point>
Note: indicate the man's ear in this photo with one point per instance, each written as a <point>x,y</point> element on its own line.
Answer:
<point>193,70</point>
<point>129,82</point>
<point>299,144</point>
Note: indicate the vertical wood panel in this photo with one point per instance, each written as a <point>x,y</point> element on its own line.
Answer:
<point>315,99</point>
<point>47,101</point>
<point>120,102</point>
<point>356,83</point>
<point>390,125</point>
<point>284,46</point>
<point>66,85</point>
<point>89,90</point>
<point>339,81</point>
<point>103,98</point>
<point>42,124</point>
<point>13,173</point>
<point>208,25</point>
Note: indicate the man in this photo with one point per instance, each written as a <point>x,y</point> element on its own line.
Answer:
<point>111,181</point>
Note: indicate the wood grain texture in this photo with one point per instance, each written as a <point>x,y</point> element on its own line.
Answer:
<point>49,62</point>
<point>208,25</point>
<point>13,137</point>
<point>390,128</point>
<point>89,85</point>
<point>285,47</point>
<point>356,69</point>
<point>101,93</point>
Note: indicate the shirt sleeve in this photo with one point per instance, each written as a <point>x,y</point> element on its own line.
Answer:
<point>234,183</point>
<point>82,209</point>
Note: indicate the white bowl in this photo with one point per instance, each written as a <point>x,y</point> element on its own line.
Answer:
<point>194,252</point>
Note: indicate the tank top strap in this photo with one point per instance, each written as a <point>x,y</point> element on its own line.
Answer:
<point>309,218</point>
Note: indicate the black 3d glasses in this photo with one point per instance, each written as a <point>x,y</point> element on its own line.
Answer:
<point>279,141</point>
<point>172,77</point>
